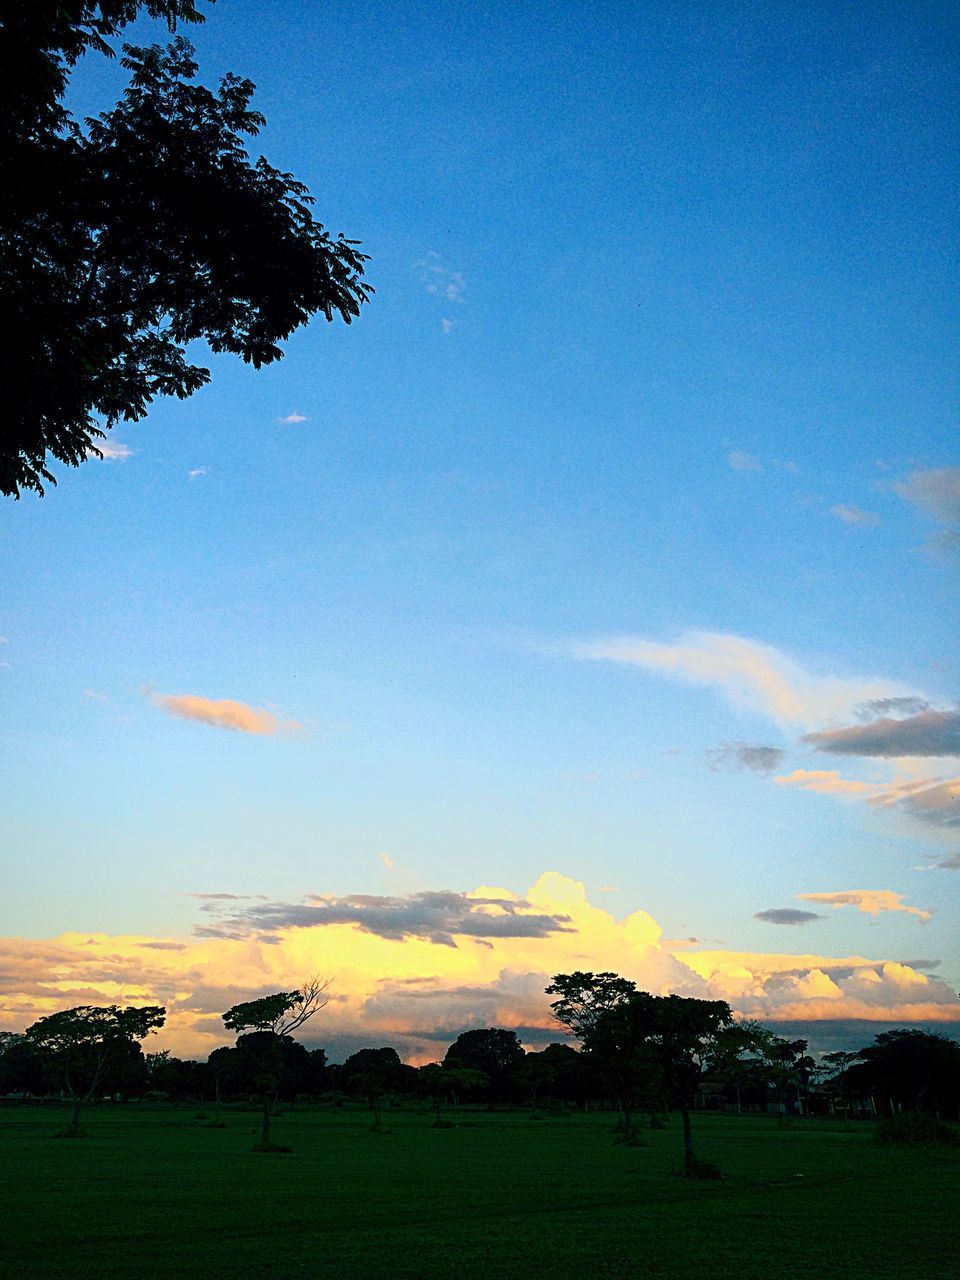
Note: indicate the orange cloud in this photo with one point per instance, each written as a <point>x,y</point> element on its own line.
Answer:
<point>222,713</point>
<point>870,901</point>
<point>826,782</point>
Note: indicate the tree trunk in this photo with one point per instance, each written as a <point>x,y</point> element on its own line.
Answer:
<point>687,1142</point>
<point>265,1129</point>
<point>75,1122</point>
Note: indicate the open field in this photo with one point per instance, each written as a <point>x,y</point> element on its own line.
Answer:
<point>149,1191</point>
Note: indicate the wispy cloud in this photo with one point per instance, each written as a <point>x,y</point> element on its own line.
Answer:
<point>849,514</point>
<point>110,451</point>
<point>826,782</point>
<point>739,460</point>
<point>291,419</point>
<point>787,915</point>
<point>935,801</point>
<point>928,733</point>
<point>749,673</point>
<point>746,756</point>
<point>222,713</point>
<point>872,902</point>
<point>196,472</point>
<point>447,325</point>
<point>950,863</point>
<point>934,492</point>
<point>438,279</point>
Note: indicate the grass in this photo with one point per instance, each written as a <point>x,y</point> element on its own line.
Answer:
<point>150,1191</point>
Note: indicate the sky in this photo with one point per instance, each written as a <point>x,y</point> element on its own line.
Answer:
<point>589,603</point>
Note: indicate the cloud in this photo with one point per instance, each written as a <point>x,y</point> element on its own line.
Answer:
<point>387,861</point>
<point>438,917</point>
<point>826,782</point>
<point>447,325</point>
<point>950,863</point>
<point>741,461</point>
<point>935,492</point>
<point>222,713</point>
<point>196,472</point>
<point>928,733</point>
<point>787,915</point>
<point>871,901</point>
<point>930,800</point>
<point>439,280</point>
<point>853,515</point>
<point>890,706</point>
<point>749,673</point>
<point>407,991</point>
<point>745,756</point>
<point>110,451</point>
<point>292,419</point>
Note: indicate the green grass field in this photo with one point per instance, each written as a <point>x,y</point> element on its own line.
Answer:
<point>149,1191</point>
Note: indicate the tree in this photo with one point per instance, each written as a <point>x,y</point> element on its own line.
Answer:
<point>84,1043</point>
<point>910,1068</point>
<point>494,1051</point>
<point>126,238</point>
<point>440,1083</point>
<point>736,1055</point>
<point>374,1074</point>
<point>269,1022</point>
<point>583,997</point>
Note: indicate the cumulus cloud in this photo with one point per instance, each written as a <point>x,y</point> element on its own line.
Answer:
<point>222,713</point>
<point>871,901</point>
<point>751,674</point>
<point>408,991</point>
<point>741,461</point>
<point>787,915</point>
<point>746,756</point>
<point>849,514</point>
<point>927,733</point>
<point>110,451</point>
<point>436,916</point>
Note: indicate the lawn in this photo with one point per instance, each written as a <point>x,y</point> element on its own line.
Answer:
<point>150,1191</point>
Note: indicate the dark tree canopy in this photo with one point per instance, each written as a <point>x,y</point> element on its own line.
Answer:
<point>127,238</point>
<point>494,1051</point>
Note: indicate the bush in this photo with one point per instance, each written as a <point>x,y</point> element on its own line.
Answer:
<point>914,1129</point>
<point>702,1169</point>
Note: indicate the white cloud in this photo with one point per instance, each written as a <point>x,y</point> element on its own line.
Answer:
<point>935,492</point>
<point>741,461</point>
<point>196,472</point>
<point>448,326</point>
<point>749,673</point>
<point>850,514</point>
<point>291,419</point>
<point>111,451</point>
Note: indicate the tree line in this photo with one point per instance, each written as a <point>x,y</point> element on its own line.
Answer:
<point>644,1055</point>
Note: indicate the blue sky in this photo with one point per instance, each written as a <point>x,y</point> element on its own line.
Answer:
<point>663,346</point>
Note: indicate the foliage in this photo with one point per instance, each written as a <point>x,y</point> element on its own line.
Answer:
<point>914,1069</point>
<point>916,1129</point>
<point>126,238</point>
<point>494,1051</point>
<point>85,1042</point>
<point>583,997</point>
<point>281,1013</point>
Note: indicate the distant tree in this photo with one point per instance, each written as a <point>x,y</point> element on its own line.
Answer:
<point>736,1056</point>
<point>84,1043</point>
<point>442,1083</point>
<point>494,1051</point>
<point>911,1069</point>
<point>127,237</point>
<point>22,1068</point>
<point>373,1074</point>
<point>786,1066</point>
<point>533,1077</point>
<point>834,1067</point>
<point>268,1023</point>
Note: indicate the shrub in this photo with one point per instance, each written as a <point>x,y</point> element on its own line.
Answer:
<point>914,1129</point>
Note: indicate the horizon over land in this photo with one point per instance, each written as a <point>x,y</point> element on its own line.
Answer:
<point>589,603</point>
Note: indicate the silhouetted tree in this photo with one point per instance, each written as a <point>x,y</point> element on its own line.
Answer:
<point>583,997</point>
<point>493,1050</point>
<point>533,1076</point>
<point>373,1074</point>
<point>83,1044</point>
<point>910,1068</point>
<point>440,1083</point>
<point>269,1022</point>
<point>22,1067</point>
<point>126,237</point>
